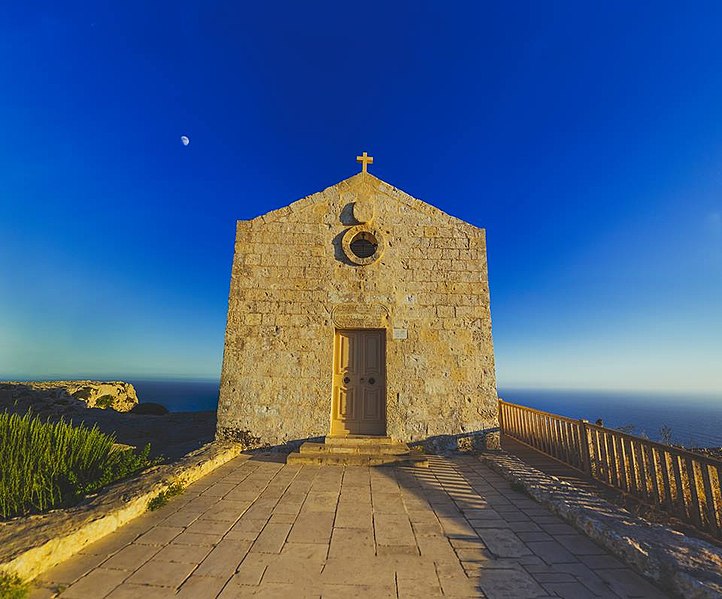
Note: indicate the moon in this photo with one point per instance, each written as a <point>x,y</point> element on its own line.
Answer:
<point>185,140</point>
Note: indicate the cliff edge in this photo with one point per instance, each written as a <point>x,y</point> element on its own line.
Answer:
<point>58,398</point>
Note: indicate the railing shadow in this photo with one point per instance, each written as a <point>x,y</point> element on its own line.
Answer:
<point>467,522</point>
<point>458,528</point>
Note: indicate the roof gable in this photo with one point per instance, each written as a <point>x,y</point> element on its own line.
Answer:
<point>363,185</point>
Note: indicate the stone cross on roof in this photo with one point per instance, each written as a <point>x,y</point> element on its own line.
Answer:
<point>365,160</point>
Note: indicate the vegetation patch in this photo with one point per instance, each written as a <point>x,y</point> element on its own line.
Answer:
<point>47,465</point>
<point>162,498</point>
<point>104,402</point>
<point>12,586</point>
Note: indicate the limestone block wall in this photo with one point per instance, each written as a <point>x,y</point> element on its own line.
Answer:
<point>292,286</point>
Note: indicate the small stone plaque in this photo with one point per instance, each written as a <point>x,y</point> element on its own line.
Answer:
<point>400,334</point>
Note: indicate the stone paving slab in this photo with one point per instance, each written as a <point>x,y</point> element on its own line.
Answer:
<point>260,528</point>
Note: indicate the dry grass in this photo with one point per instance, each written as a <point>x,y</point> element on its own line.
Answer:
<point>47,465</point>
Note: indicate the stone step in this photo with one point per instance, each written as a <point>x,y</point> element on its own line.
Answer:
<point>358,441</point>
<point>358,459</point>
<point>395,448</point>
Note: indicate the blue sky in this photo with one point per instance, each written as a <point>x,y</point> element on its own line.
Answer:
<point>585,137</point>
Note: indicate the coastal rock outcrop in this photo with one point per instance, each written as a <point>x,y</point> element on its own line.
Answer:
<point>56,398</point>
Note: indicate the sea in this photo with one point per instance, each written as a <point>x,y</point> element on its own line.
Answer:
<point>693,420</point>
<point>178,395</point>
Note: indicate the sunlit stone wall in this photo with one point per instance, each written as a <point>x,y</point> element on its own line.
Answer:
<point>293,284</point>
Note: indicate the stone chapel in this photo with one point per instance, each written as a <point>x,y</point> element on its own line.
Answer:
<point>357,311</point>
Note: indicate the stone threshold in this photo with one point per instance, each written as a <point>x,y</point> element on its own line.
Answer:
<point>357,450</point>
<point>30,545</point>
<point>686,566</point>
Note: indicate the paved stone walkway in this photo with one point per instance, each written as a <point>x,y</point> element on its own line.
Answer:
<point>260,528</point>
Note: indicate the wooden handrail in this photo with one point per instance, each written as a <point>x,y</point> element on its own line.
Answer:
<point>528,409</point>
<point>700,457</point>
<point>680,482</point>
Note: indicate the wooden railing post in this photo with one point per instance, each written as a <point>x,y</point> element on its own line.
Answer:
<point>501,415</point>
<point>586,458</point>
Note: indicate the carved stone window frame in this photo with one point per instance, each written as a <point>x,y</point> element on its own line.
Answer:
<point>349,236</point>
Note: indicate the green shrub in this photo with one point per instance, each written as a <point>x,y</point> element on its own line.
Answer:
<point>47,465</point>
<point>104,401</point>
<point>12,586</point>
<point>162,498</point>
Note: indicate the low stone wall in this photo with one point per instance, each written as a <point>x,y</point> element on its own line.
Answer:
<point>686,566</point>
<point>31,545</point>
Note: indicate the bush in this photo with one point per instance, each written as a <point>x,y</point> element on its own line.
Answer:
<point>162,498</point>
<point>47,465</point>
<point>12,586</point>
<point>104,402</point>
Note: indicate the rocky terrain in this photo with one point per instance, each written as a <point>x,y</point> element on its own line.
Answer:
<point>67,397</point>
<point>109,405</point>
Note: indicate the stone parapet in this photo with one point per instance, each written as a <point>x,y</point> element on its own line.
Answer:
<point>683,565</point>
<point>31,545</point>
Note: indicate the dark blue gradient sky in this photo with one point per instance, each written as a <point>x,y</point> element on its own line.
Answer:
<point>585,137</point>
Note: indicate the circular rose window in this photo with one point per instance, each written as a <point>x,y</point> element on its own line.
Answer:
<point>362,245</point>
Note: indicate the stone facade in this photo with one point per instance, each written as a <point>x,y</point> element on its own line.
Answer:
<point>296,281</point>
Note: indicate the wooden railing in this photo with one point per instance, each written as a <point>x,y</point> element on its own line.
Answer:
<point>679,482</point>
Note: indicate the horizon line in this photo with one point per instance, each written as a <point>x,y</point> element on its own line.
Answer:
<point>4,378</point>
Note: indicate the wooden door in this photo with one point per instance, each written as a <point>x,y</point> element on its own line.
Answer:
<point>359,383</point>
